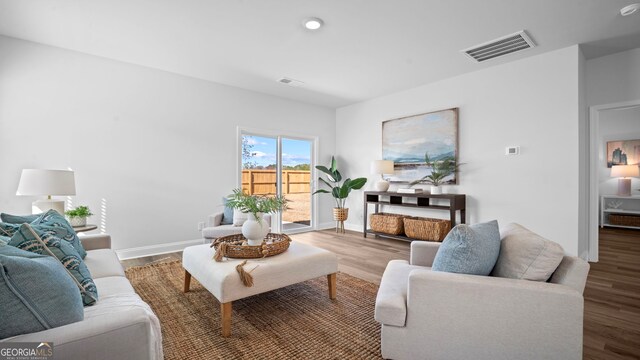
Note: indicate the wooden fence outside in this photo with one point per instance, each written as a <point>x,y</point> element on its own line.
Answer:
<point>261,182</point>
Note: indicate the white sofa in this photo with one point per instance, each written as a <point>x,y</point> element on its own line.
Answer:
<point>119,326</point>
<point>214,228</point>
<point>437,315</point>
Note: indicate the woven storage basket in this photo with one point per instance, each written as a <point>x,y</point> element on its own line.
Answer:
<point>624,220</point>
<point>386,223</point>
<point>273,244</point>
<point>426,228</point>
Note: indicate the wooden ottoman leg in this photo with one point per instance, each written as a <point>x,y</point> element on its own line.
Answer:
<point>187,281</point>
<point>225,315</point>
<point>331,278</point>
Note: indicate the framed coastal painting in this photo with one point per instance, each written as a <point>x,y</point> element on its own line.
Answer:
<point>623,152</point>
<point>406,140</point>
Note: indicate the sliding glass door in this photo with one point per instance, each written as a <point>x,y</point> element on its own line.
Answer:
<point>296,183</point>
<point>283,165</point>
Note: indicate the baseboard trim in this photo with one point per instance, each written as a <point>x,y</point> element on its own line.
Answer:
<point>137,252</point>
<point>353,227</point>
<point>326,226</point>
<point>332,225</point>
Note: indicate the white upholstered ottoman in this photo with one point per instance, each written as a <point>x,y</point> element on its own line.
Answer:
<point>299,263</point>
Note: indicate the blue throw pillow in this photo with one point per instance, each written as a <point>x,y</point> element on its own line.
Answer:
<point>7,229</point>
<point>53,218</point>
<point>227,217</point>
<point>36,293</point>
<point>61,232</point>
<point>469,249</point>
<point>29,239</point>
<point>18,219</point>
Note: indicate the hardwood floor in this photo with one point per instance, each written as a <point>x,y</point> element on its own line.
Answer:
<point>612,298</point>
<point>151,259</point>
<point>357,256</point>
<point>612,294</point>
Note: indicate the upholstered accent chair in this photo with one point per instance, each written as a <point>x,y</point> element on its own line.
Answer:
<point>437,315</point>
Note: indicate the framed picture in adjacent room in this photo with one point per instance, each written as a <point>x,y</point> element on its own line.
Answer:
<point>623,152</point>
<point>406,140</point>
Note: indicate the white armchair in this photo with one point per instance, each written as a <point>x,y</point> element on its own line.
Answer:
<point>437,315</point>
<point>214,228</point>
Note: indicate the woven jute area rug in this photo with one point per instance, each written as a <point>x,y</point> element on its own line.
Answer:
<point>296,322</point>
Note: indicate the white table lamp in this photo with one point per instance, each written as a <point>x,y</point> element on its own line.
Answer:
<point>382,167</point>
<point>624,172</point>
<point>46,182</point>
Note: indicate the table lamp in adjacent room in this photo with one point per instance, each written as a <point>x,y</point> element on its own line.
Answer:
<point>49,183</point>
<point>624,172</point>
<point>382,167</point>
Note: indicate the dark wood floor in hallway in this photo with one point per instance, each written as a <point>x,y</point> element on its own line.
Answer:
<point>612,295</point>
<point>612,298</point>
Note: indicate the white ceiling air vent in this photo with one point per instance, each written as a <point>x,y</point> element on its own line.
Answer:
<point>501,46</point>
<point>291,82</point>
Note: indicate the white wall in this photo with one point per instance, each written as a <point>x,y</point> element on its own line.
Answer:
<point>157,150</point>
<point>619,124</point>
<point>613,78</point>
<point>533,103</point>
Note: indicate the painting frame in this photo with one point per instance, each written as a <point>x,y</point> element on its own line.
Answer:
<point>622,152</point>
<point>406,139</point>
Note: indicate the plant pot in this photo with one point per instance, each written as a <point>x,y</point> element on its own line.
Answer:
<point>78,221</point>
<point>436,190</point>
<point>254,230</point>
<point>340,215</point>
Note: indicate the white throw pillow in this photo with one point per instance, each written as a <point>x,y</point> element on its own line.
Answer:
<point>526,255</point>
<point>239,217</point>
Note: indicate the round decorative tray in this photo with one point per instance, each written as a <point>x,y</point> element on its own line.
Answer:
<point>236,246</point>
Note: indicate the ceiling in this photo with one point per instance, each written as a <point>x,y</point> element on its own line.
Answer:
<point>366,49</point>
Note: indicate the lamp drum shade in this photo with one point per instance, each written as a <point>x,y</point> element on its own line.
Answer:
<point>46,182</point>
<point>382,167</point>
<point>625,171</point>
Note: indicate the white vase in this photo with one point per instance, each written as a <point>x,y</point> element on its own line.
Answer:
<point>436,190</point>
<point>382,185</point>
<point>255,229</point>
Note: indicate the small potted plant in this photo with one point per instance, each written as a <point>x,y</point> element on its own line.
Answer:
<point>255,228</point>
<point>78,216</point>
<point>440,170</point>
<point>340,191</point>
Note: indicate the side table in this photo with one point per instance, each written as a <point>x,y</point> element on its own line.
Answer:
<point>88,227</point>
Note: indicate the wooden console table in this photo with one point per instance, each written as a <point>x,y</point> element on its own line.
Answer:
<point>457,202</point>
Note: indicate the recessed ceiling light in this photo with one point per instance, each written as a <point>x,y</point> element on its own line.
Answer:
<point>630,9</point>
<point>312,23</point>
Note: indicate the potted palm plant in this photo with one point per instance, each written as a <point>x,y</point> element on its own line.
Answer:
<point>255,228</point>
<point>339,191</point>
<point>78,216</point>
<point>440,170</point>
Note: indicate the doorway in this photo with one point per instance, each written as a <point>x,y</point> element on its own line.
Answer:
<point>608,123</point>
<point>280,164</point>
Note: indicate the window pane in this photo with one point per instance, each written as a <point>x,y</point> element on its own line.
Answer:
<point>259,165</point>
